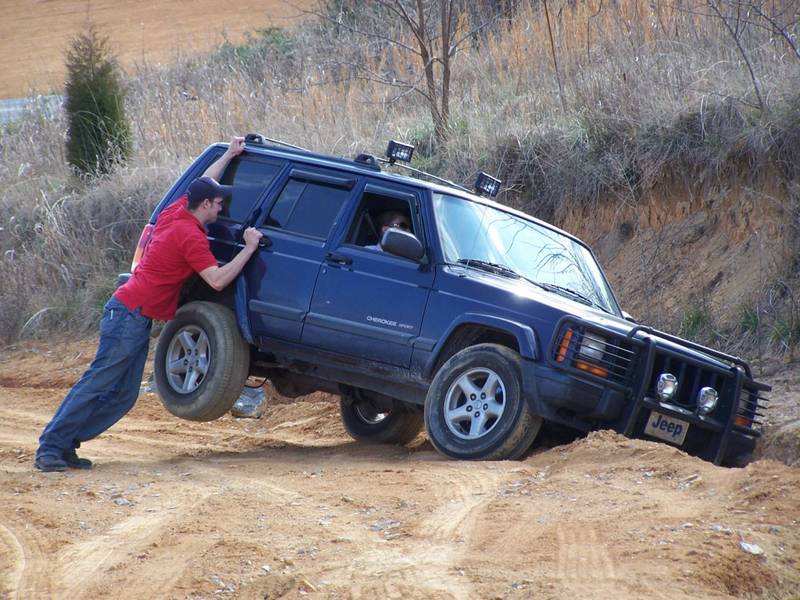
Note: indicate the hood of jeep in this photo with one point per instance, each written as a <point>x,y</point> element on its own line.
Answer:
<point>537,306</point>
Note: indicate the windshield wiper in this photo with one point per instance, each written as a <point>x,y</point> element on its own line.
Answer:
<point>560,289</point>
<point>550,287</point>
<point>490,266</point>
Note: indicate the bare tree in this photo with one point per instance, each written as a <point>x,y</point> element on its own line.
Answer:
<point>430,32</point>
<point>780,18</point>
<point>734,24</point>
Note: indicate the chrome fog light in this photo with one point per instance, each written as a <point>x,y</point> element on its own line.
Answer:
<point>592,346</point>
<point>707,399</point>
<point>666,386</point>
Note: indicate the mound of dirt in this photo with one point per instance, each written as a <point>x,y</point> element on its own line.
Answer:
<point>288,506</point>
<point>782,443</point>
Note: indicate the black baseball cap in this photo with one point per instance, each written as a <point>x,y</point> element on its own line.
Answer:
<point>207,188</point>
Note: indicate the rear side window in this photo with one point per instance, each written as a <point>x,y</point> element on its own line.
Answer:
<point>309,203</point>
<point>250,176</point>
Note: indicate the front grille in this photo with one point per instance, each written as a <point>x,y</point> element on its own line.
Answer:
<point>691,378</point>
<point>617,361</point>
<point>752,408</point>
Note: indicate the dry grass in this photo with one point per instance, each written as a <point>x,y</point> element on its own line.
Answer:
<point>649,89</point>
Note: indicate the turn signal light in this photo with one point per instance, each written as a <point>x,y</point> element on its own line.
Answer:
<point>562,349</point>
<point>742,421</point>
<point>594,370</point>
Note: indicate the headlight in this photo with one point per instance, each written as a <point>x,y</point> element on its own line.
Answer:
<point>707,399</point>
<point>666,386</point>
<point>592,347</point>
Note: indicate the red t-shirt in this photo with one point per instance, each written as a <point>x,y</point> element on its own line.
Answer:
<point>178,247</point>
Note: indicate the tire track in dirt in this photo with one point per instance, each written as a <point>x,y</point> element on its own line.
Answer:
<point>83,564</point>
<point>584,565</point>
<point>431,559</point>
<point>581,557</point>
<point>30,573</point>
<point>586,568</point>
<point>14,556</point>
<point>18,420</point>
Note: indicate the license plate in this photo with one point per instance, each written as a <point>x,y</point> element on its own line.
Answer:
<point>666,428</point>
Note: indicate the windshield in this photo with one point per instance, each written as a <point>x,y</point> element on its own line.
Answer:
<point>471,231</point>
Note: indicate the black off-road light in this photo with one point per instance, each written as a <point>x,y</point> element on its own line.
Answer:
<point>486,184</point>
<point>399,151</point>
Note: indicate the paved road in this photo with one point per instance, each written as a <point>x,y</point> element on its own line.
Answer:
<point>12,109</point>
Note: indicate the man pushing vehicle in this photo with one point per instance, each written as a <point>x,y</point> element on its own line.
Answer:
<point>177,248</point>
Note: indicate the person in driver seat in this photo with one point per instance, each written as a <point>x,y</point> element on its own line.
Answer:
<point>387,220</point>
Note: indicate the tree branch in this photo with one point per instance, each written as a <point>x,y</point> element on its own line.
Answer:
<point>756,85</point>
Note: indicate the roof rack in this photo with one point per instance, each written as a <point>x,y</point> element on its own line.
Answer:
<point>362,160</point>
<point>425,174</point>
<point>257,138</point>
<point>396,151</point>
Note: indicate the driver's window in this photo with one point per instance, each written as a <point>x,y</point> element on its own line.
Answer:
<point>376,213</point>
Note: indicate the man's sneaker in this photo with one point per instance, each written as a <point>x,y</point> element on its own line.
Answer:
<point>49,463</point>
<point>73,461</point>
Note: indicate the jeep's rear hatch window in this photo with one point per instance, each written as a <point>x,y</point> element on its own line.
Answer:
<point>475,234</point>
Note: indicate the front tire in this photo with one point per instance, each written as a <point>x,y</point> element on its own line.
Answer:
<point>368,417</point>
<point>201,362</point>
<point>474,409</point>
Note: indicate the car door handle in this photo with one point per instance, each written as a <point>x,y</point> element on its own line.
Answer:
<point>263,242</point>
<point>339,259</point>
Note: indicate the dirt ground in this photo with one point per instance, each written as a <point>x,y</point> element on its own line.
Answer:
<point>34,35</point>
<point>289,507</point>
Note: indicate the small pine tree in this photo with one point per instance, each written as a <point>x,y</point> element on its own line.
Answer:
<point>99,135</point>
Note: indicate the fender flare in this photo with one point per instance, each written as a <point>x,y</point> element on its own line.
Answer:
<point>525,336</point>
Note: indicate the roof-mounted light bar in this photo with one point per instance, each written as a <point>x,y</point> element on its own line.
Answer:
<point>486,184</point>
<point>399,151</point>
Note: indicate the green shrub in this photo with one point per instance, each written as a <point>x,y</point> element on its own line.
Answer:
<point>694,322</point>
<point>749,319</point>
<point>99,134</point>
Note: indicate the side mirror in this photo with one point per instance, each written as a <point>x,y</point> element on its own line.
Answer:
<point>628,317</point>
<point>402,243</point>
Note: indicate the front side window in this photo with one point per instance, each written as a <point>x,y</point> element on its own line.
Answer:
<point>249,176</point>
<point>474,234</point>
<point>377,212</point>
<point>307,207</point>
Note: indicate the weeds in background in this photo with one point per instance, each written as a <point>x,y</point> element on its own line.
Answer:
<point>649,91</point>
<point>695,322</point>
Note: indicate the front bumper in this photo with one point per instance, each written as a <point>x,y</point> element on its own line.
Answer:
<point>626,399</point>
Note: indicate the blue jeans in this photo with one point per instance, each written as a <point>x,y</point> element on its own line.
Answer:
<point>109,387</point>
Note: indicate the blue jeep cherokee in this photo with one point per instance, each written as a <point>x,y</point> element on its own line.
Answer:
<point>481,322</point>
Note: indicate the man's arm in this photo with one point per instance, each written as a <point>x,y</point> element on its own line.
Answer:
<point>219,277</point>
<point>235,148</point>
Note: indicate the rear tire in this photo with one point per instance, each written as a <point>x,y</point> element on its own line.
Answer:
<point>201,362</point>
<point>367,418</point>
<point>474,409</point>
